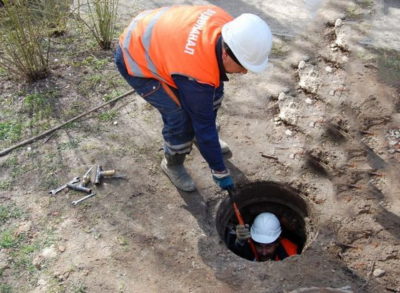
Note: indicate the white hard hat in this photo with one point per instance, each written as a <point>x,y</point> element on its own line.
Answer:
<point>250,39</point>
<point>266,228</point>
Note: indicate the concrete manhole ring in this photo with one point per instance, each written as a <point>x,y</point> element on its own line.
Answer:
<point>295,213</point>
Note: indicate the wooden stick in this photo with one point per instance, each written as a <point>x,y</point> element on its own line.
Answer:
<point>47,132</point>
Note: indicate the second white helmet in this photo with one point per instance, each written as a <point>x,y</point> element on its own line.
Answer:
<point>266,228</point>
<point>250,39</point>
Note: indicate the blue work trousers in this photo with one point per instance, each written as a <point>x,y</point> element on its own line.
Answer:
<point>177,131</point>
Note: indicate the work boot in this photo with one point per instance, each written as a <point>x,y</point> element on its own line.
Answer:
<point>172,165</point>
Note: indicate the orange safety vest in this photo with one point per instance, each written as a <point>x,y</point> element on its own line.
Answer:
<point>174,40</point>
<point>289,246</point>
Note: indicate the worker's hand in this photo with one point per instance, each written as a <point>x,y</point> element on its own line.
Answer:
<point>242,232</point>
<point>223,179</point>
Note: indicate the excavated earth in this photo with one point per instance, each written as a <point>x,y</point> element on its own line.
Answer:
<point>323,122</point>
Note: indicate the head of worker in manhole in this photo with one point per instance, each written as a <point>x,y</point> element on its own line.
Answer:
<point>265,237</point>
<point>177,58</point>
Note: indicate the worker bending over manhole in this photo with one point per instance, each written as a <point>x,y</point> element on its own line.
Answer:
<point>265,233</point>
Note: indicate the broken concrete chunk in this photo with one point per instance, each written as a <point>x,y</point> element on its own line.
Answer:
<point>281,96</point>
<point>309,79</point>
<point>41,282</point>
<point>378,273</point>
<point>288,111</point>
<point>49,252</point>
<point>61,248</point>
<point>338,22</point>
<point>328,69</point>
<point>288,132</point>
<point>343,35</point>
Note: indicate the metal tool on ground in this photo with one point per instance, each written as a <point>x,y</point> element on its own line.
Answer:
<point>86,177</point>
<point>79,188</point>
<point>75,202</point>
<point>100,174</point>
<point>239,217</point>
<point>57,190</point>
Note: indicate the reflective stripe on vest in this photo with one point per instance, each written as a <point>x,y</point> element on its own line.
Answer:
<point>175,40</point>
<point>133,67</point>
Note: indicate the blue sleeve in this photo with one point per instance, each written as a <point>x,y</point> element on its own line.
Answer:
<point>198,101</point>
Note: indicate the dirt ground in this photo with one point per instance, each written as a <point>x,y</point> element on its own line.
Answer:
<point>324,120</point>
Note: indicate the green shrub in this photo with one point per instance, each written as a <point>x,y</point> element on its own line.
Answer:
<point>10,130</point>
<point>102,17</point>
<point>24,45</point>
<point>53,13</point>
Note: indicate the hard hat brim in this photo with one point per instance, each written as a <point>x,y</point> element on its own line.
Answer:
<point>263,238</point>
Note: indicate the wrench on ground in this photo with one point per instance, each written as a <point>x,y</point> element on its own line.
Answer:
<point>55,191</point>
<point>75,202</point>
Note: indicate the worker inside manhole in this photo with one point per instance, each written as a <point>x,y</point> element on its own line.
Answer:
<point>263,240</point>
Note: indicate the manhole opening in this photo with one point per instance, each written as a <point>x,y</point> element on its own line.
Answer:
<point>255,198</point>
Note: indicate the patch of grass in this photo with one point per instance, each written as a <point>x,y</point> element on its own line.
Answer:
<point>72,144</point>
<point>5,185</point>
<point>3,71</point>
<point>9,212</point>
<point>74,110</point>
<point>9,240</point>
<point>89,84</point>
<point>353,12</point>
<point>95,79</point>
<point>79,288</point>
<point>389,66</point>
<point>72,125</point>
<point>366,3</point>
<point>122,241</point>
<point>39,105</point>
<point>22,258</point>
<point>94,62</point>
<point>10,130</point>
<point>112,95</point>
<point>19,170</point>
<point>279,50</point>
<point>50,182</point>
<point>118,81</point>
<point>10,162</point>
<point>108,116</point>
<point>5,288</point>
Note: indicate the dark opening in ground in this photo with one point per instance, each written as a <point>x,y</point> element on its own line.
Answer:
<point>256,198</point>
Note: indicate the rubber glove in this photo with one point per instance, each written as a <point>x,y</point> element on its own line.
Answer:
<point>223,179</point>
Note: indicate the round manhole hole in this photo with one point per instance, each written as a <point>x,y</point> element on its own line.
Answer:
<point>266,198</point>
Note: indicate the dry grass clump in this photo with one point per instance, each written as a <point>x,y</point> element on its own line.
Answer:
<point>101,20</point>
<point>23,47</point>
<point>25,30</point>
